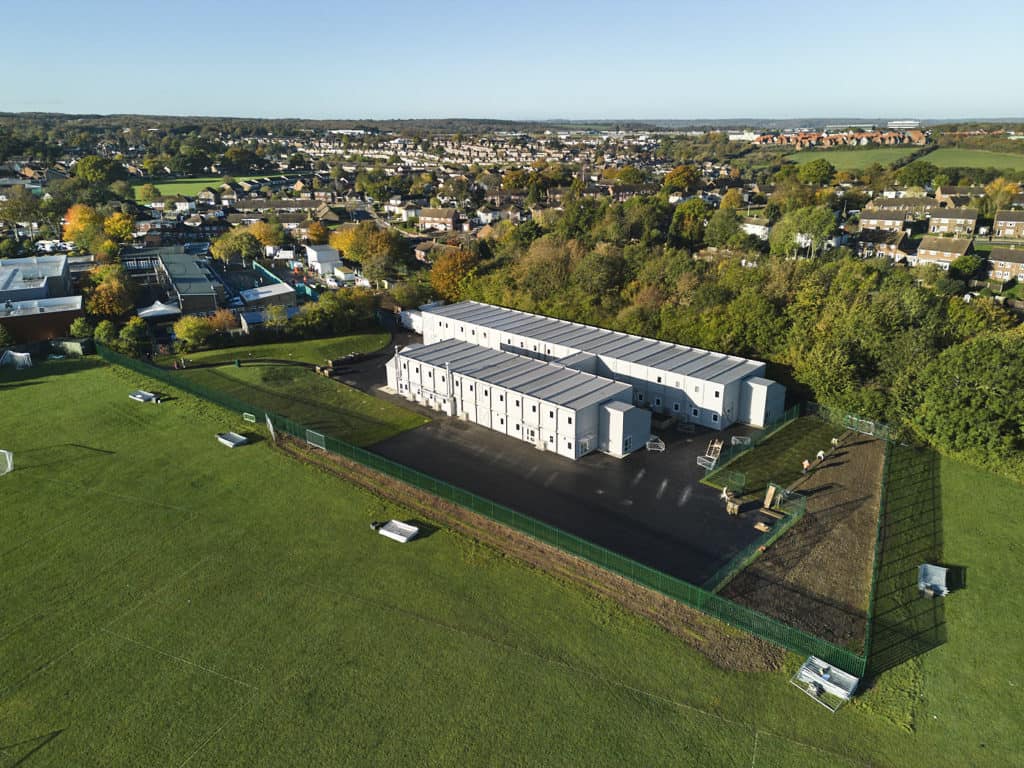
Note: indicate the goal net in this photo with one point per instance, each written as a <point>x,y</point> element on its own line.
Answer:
<point>6,462</point>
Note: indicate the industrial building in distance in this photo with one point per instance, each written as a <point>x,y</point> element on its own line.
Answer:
<point>573,388</point>
<point>707,388</point>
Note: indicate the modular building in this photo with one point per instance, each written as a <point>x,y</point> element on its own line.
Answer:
<point>707,388</point>
<point>554,407</point>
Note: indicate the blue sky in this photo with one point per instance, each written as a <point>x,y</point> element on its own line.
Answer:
<point>520,60</point>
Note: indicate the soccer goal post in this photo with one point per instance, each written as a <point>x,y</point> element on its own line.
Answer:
<point>6,462</point>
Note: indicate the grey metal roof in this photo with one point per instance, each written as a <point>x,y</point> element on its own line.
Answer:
<point>661,355</point>
<point>550,382</point>
<point>30,272</point>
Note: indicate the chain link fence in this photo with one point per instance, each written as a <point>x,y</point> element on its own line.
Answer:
<point>747,443</point>
<point>701,599</point>
<point>852,422</point>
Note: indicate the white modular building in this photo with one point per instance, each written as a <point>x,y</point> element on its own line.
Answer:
<point>711,389</point>
<point>552,406</point>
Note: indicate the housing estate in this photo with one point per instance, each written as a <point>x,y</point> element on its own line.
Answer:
<point>961,221</point>
<point>1006,264</point>
<point>942,251</point>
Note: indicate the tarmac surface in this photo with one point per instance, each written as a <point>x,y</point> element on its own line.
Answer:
<point>649,506</point>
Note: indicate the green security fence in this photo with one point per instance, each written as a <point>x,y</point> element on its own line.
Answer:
<point>736,615</point>
<point>794,505</point>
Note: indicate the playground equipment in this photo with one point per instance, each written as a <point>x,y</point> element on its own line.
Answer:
<point>231,439</point>
<point>711,454</point>
<point>743,440</point>
<point>732,506</point>
<point>396,531</point>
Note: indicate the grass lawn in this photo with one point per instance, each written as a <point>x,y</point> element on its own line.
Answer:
<point>778,459</point>
<point>950,157</point>
<point>171,602</point>
<point>314,401</point>
<point>188,187</point>
<point>311,351</point>
<point>853,159</point>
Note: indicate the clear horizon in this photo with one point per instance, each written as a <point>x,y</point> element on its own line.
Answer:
<point>568,61</point>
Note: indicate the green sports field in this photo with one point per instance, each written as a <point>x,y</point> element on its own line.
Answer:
<point>853,159</point>
<point>949,157</point>
<point>188,187</point>
<point>309,351</point>
<point>170,602</point>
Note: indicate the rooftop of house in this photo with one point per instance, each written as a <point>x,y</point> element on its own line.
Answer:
<point>957,246</point>
<point>1015,216</point>
<point>1011,255</point>
<point>956,213</point>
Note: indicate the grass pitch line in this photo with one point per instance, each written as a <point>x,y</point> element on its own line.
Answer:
<point>384,606</point>
<point>753,757</point>
<point>221,727</point>
<point>180,658</point>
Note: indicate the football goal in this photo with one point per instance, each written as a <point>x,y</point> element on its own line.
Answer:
<point>6,462</point>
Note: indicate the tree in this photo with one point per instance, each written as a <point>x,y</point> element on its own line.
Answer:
<point>343,238</point>
<point>192,331</point>
<point>119,227</point>
<point>969,399</point>
<point>276,318</point>
<point>682,178</point>
<point>817,172</point>
<point>317,233</point>
<point>965,267</point>
<point>267,232</point>
<point>110,293</point>
<point>133,336</point>
<point>919,173</point>
<point>147,193</point>
<point>98,171</point>
<point>105,333</point>
<point>724,225</point>
<point>999,194</point>
<point>21,206</point>
<point>689,220</point>
<point>84,226</point>
<point>81,328</point>
<point>451,272</point>
<point>223,320</point>
<point>733,199</point>
<point>236,244</point>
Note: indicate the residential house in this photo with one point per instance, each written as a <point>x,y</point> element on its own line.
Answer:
<point>875,243</point>
<point>918,206</point>
<point>960,221</point>
<point>1009,224</point>
<point>208,196</point>
<point>887,220</point>
<point>438,219</point>
<point>942,251</point>
<point>953,196</point>
<point>1006,264</point>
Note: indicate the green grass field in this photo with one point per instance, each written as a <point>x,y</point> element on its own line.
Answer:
<point>314,401</point>
<point>309,351</point>
<point>188,187</point>
<point>171,602</point>
<point>853,159</point>
<point>778,459</point>
<point>949,157</point>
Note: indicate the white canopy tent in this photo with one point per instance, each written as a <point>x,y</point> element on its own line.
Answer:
<point>16,359</point>
<point>158,309</point>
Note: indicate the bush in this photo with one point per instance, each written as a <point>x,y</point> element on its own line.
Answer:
<point>6,337</point>
<point>81,328</point>
<point>105,333</point>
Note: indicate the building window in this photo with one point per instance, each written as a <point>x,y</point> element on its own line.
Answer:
<point>442,379</point>
<point>416,369</point>
<point>659,379</point>
<point>551,414</point>
<point>718,393</point>
<point>501,398</point>
<point>551,439</point>
<point>470,387</point>
<point>517,403</point>
<point>533,409</point>
<point>461,329</point>
<point>501,421</point>
<point>569,446</point>
<point>640,397</point>
<point>430,374</point>
<point>714,417</point>
<point>675,407</point>
<point>569,420</point>
<point>657,401</point>
<point>696,412</point>
<point>485,393</point>
<point>517,427</point>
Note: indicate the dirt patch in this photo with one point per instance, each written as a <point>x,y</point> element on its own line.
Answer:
<point>817,576</point>
<point>726,647</point>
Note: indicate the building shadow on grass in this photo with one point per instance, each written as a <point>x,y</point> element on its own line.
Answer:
<point>60,454</point>
<point>904,623</point>
<point>32,746</point>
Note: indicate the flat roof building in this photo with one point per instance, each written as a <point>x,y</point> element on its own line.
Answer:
<point>34,277</point>
<point>695,385</point>
<point>554,407</point>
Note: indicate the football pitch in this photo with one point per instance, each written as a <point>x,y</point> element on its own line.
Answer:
<point>171,602</point>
